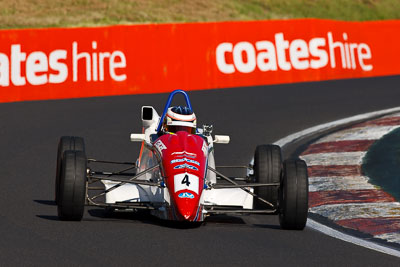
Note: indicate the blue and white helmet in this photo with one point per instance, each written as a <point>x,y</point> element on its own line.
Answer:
<point>180,118</point>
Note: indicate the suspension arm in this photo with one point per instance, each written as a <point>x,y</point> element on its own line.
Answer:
<point>141,182</point>
<point>219,186</point>
<point>122,182</point>
<point>241,187</point>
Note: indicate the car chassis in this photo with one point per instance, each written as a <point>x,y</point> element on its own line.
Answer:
<point>270,186</point>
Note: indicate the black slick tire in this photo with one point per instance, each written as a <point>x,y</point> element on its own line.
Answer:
<point>72,191</point>
<point>267,169</point>
<point>66,143</point>
<point>293,195</point>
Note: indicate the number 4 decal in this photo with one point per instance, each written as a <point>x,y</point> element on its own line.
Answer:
<point>185,180</point>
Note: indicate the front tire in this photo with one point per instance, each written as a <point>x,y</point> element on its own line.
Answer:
<point>66,143</point>
<point>267,169</point>
<point>72,191</point>
<point>293,195</point>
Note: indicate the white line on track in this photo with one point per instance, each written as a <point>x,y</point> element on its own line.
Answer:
<point>323,228</point>
<point>351,239</point>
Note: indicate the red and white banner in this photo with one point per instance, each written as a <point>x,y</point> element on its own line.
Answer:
<point>139,59</point>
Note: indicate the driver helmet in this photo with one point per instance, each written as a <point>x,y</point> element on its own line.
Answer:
<point>180,118</point>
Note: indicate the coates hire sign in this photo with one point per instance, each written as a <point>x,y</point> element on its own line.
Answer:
<point>297,54</point>
<point>40,68</point>
<point>153,58</point>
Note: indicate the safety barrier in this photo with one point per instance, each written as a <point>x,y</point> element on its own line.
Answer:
<point>151,58</point>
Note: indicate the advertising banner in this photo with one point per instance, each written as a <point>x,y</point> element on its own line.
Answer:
<point>60,63</point>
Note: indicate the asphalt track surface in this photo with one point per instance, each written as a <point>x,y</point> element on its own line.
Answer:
<point>30,233</point>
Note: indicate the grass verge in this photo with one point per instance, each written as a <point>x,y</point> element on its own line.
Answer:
<point>71,13</point>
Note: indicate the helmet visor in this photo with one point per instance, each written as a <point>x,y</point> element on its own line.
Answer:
<point>176,128</point>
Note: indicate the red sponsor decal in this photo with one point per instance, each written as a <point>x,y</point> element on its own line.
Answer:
<point>153,58</point>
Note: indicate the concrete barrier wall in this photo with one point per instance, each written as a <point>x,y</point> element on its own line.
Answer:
<point>138,59</point>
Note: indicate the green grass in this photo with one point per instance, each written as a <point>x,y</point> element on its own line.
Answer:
<point>70,13</point>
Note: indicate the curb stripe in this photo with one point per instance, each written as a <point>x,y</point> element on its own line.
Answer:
<point>354,169</point>
<point>330,125</point>
<point>348,196</point>
<point>386,121</point>
<point>390,237</point>
<point>339,183</point>
<point>344,158</point>
<point>373,226</point>
<point>359,133</point>
<point>344,211</point>
<point>334,170</point>
<point>358,200</point>
<point>340,146</point>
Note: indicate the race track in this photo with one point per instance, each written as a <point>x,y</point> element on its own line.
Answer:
<point>32,235</point>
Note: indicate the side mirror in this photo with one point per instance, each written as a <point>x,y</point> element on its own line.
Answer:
<point>147,113</point>
<point>222,139</point>
<point>149,116</point>
<point>137,137</point>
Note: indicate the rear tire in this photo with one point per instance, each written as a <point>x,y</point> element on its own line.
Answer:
<point>293,195</point>
<point>267,169</point>
<point>72,187</point>
<point>66,143</point>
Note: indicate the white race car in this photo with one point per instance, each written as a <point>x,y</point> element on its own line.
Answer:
<point>175,176</point>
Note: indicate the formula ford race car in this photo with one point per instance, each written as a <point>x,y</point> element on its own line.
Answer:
<point>175,176</point>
